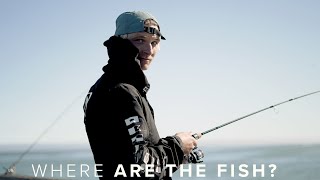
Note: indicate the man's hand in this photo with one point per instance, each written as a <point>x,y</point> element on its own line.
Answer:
<point>188,141</point>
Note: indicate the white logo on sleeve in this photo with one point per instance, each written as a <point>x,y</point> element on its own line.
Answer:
<point>86,102</point>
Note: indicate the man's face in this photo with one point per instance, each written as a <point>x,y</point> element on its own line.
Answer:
<point>148,45</point>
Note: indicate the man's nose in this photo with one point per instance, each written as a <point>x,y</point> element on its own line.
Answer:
<point>147,49</point>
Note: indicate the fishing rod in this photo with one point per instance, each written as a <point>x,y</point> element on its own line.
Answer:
<point>272,106</point>
<point>196,154</point>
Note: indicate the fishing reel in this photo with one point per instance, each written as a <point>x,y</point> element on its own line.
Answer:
<point>195,156</point>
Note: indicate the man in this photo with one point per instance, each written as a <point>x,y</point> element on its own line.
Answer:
<point>118,117</point>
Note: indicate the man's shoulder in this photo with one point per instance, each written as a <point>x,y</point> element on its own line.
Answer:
<point>126,88</point>
<point>104,86</point>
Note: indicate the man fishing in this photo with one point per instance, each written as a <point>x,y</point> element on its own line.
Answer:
<point>118,103</point>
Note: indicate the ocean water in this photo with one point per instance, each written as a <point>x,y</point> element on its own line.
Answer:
<point>276,162</point>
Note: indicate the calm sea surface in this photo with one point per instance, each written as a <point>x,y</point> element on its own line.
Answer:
<point>286,162</point>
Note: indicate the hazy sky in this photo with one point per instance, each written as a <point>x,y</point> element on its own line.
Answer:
<point>221,60</point>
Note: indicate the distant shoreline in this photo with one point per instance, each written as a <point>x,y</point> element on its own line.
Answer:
<point>18,148</point>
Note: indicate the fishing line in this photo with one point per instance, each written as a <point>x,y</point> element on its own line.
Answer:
<point>47,129</point>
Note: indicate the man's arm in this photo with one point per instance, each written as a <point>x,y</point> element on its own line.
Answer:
<point>168,151</point>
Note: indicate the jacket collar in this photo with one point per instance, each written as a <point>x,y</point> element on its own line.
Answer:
<point>129,73</point>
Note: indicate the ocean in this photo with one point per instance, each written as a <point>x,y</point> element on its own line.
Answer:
<point>276,162</point>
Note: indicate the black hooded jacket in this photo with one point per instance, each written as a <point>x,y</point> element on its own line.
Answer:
<point>120,122</point>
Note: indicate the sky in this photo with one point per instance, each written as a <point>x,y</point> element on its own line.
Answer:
<point>221,60</point>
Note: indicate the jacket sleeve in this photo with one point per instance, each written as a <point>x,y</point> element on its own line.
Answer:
<point>157,156</point>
